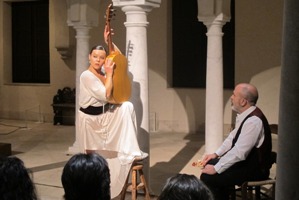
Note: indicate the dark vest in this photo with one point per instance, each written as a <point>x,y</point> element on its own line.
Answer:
<point>259,158</point>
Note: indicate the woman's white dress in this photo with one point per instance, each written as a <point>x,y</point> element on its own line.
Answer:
<point>111,134</point>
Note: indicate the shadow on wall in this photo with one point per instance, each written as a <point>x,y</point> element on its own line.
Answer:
<point>268,85</point>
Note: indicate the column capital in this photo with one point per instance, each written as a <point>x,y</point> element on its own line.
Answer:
<point>64,42</point>
<point>213,11</point>
<point>136,8</point>
<point>83,12</point>
<point>143,3</point>
<point>215,22</point>
<point>82,29</point>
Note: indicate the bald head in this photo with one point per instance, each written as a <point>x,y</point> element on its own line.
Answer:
<point>249,92</point>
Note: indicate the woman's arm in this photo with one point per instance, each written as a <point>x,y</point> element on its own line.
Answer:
<point>109,67</point>
<point>107,33</point>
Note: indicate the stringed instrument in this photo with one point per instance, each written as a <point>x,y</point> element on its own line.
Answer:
<point>121,82</point>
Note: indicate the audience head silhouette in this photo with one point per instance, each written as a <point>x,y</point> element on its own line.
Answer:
<point>185,187</point>
<point>15,180</point>
<point>86,176</point>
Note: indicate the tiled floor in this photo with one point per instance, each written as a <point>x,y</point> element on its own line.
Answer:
<point>43,147</point>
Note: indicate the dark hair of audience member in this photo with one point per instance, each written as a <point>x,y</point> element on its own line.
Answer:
<point>86,176</point>
<point>185,187</point>
<point>15,180</point>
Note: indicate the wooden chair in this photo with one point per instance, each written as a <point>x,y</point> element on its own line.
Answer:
<point>134,186</point>
<point>259,187</point>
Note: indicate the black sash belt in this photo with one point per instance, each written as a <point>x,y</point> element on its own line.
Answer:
<point>92,110</point>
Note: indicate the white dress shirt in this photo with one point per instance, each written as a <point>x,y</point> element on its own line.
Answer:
<point>252,135</point>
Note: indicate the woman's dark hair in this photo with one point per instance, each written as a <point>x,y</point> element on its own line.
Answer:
<point>185,187</point>
<point>15,180</point>
<point>98,47</point>
<point>86,176</point>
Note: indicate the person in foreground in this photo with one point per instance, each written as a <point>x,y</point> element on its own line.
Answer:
<point>86,176</point>
<point>15,180</point>
<point>185,187</point>
<point>101,125</point>
<point>245,155</point>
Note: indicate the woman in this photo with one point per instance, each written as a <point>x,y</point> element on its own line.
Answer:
<point>105,127</point>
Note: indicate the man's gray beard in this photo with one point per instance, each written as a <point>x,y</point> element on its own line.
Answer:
<point>234,109</point>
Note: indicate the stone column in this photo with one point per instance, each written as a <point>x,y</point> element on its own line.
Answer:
<point>214,86</point>
<point>136,42</point>
<point>288,137</point>
<point>214,14</point>
<point>82,15</point>
<point>82,51</point>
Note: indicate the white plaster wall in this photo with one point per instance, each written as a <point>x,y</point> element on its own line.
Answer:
<point>25,101</point>
<point>181,110</point>
<point>258,37</point>
<point>268,84</point>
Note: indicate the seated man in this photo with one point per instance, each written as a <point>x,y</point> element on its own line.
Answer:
<point>245,155</point>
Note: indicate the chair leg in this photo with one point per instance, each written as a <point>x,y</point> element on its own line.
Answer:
<point>134,185</point>
<point>257,192</point>
<point>244,191</point>
<point>124,190</point>
<point>273,191</point>
<point>145,188</point>
<point>232,193</point>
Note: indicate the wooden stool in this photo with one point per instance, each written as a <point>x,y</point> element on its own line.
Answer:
<point>134,186</point>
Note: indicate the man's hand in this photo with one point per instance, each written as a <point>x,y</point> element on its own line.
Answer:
<point>208,157</point>
<point>209,169</point>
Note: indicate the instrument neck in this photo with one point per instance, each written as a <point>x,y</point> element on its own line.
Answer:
<point>110,43</point>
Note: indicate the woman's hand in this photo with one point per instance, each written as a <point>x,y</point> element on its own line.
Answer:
<point>107,32</point>
<point>109,67</point>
